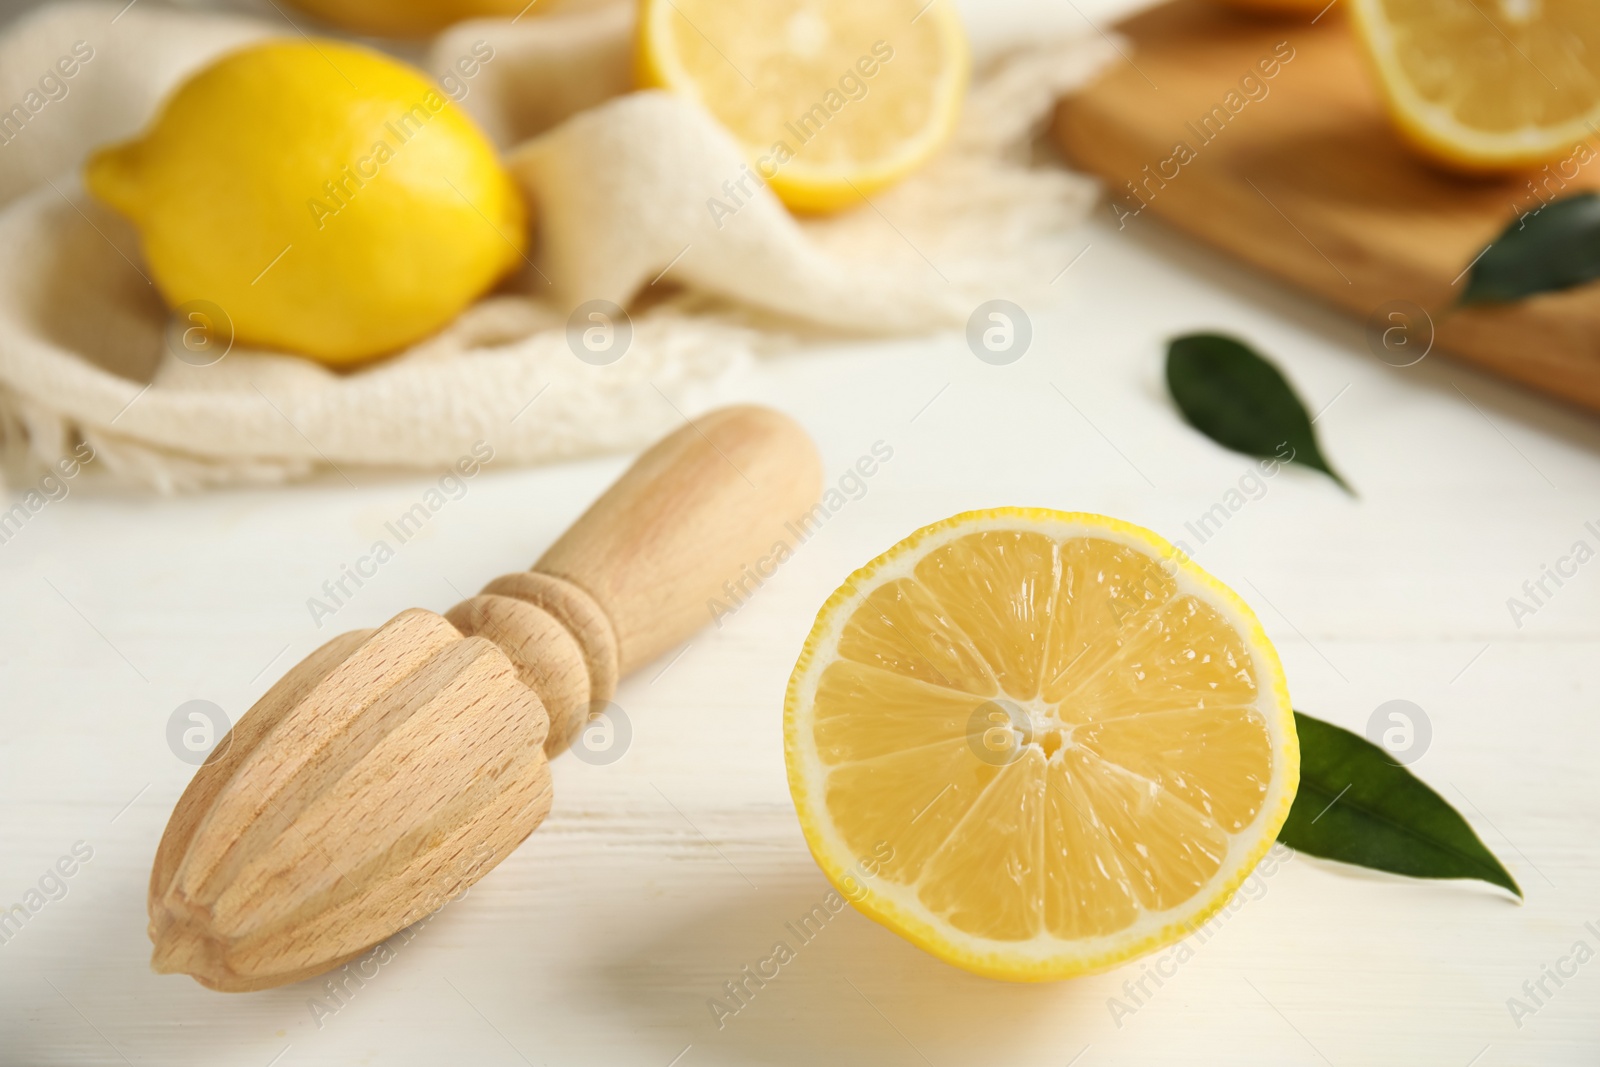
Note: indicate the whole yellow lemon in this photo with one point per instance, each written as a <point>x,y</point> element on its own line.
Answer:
<point>328,199</point>
<point>413,18</point>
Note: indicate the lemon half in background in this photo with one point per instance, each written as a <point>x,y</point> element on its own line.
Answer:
<point>330,200</point>
<point>831,99</point>
<point>1038,743</point>
<point>1486,86</point>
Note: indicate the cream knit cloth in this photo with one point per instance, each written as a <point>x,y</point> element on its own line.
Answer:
<point>620,182</point>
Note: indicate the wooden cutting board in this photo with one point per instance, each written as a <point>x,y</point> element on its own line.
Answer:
<point>1300,174</point>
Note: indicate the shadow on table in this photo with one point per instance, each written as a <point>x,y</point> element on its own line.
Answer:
<point>828,985</point>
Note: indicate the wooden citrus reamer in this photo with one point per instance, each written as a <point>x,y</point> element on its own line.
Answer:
<point>392,768</point>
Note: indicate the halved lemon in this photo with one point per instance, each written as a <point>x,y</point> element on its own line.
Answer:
<point>1487,86</point>
<point>831,99</point>
<point>1038,743</point>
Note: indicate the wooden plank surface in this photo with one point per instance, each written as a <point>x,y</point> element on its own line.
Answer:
<point>1266,138</point>
<point>659,876</point>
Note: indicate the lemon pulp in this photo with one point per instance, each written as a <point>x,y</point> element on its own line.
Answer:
<point>1070,744</point>
<point>832,99</point>
<point>1487,85</point>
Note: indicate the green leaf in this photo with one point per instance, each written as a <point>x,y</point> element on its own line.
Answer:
<point>1358,806</point>
<point>1241,401</point>
<point>1557,248</point>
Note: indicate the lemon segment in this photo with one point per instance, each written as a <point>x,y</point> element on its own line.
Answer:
<point>328,199</point>
<point>1487,86</point>
<point>831,99</point>
<point>1066,744</point>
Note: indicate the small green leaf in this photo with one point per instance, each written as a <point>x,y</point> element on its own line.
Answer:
<point>1557,248</point>
<point>1358,806</point>
<point>1241,401</point>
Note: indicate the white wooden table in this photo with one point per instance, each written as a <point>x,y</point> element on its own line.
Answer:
<point>659,876</point>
